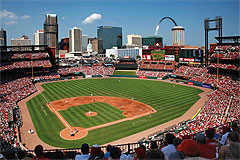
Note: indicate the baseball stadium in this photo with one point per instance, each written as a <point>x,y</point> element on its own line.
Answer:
<point>126,103</point>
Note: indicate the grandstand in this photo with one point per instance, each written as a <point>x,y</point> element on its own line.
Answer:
<point>126,64</point>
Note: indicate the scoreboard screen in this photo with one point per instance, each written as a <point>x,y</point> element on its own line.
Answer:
<point>190,55</point>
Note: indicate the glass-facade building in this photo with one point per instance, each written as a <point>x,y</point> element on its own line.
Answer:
<point>149,41</point>
<point>110,36</point>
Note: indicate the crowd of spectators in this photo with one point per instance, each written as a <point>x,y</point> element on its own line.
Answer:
<point>25,64</point>
<point>38,55</point>
<point>11,93</point>
<point>202,145</point>
<point>157,65</point>
<point>214,111</point>
<point>87,70</point>
<point>225,66</point>
<point>227,55</point>
<point>144,73</point>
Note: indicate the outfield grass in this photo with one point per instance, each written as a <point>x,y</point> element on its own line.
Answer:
<point>106,113</point>
<point>171,102</point>
<point>124,73</point>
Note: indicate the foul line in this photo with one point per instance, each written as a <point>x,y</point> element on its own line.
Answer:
<point>58,115</point>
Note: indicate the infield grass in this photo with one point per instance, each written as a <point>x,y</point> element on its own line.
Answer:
<point>170,102</point>
<point>75,115</point>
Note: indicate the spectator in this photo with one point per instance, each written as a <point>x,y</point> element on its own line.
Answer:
<point>177,154</point>
<point>115,153</point>
<point>153,145</point>
<point>38,150</point>
<point>107,154</point>
<point>205,150</point>
<point>211,141</point>
<point>224,135</point>
<point>96,152</point>
<point>230,151</point>
<point>170,147</point>
<point>21,154</point>
<point>155,154</point>
<point>140,154</point>
<point>189,148</point>
<point>85,152</point>
<point>10,154</point>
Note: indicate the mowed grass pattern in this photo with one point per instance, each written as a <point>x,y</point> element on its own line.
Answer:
<point>170,102</point>
<point>75,115</point>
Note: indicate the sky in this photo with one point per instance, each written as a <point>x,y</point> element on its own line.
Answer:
<point>24,17</point>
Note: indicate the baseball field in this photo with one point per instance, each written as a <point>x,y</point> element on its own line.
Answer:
<point>66,104</point>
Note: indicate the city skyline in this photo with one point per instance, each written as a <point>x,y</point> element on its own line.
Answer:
<point>135,17</point>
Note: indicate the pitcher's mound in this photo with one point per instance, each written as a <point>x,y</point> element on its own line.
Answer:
<point>90,114</point>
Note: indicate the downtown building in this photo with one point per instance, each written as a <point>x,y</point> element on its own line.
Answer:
<point>51,33</point>
<point>38,39</point>
<point>23,41</point>
<point>134,41</point>
<point>75,40</point>
<point>110,36</point>
<point>97,45</point>
<point>3,38</point>
<point>178,36</point>
<point>84,42</point>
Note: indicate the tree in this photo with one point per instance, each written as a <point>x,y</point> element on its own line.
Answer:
<point>112,56</point>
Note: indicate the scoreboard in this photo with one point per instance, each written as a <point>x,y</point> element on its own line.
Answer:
<point>190,56</point>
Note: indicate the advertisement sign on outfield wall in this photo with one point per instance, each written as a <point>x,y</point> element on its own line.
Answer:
<point>146,57</point>
<point>206,86</point>
<point>169,58</point>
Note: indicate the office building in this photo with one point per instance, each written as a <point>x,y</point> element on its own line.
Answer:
<point>151,40</point>
<point>110,36</point>
<point>134,40</point>
<point>121,53</point>
<point>38,39</point>
<point>3,38</point>
<point>75,40</point>
<point>97,46</point>
<point>64,44</point>
<point>23,41</point>
<point>178,36</point>
<point>84,42</point>
<point>51,32</point>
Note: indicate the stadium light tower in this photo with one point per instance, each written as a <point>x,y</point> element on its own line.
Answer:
<point>207,28</point>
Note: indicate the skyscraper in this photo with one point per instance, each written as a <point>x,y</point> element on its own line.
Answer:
<point>75,40</point>
<point>110,36</point>
<point>178,36</point>
<point>38,39</point>
<point>51,32</point>
<point>3,38</point>
<point>84,42</point>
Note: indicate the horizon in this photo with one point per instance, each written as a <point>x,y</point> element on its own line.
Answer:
<point>135,17</point>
